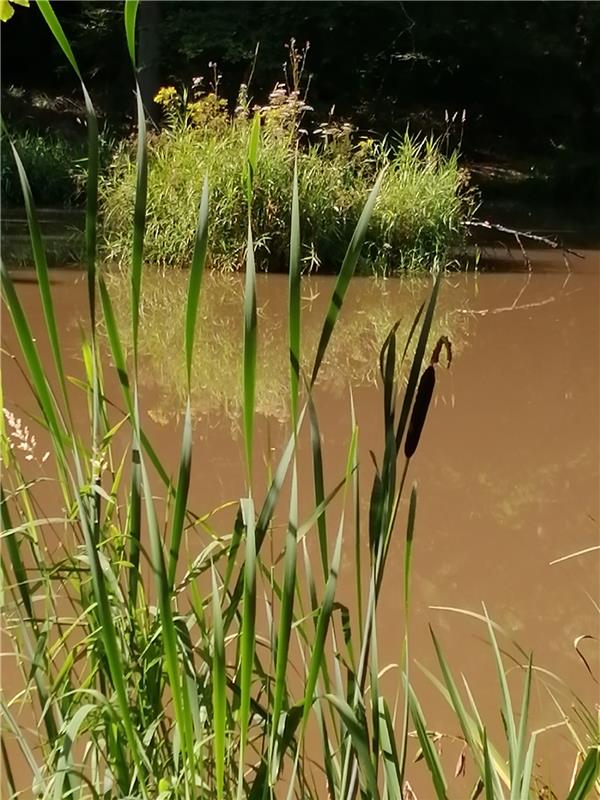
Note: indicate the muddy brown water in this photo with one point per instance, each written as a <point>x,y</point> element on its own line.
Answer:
<point>507,468</point>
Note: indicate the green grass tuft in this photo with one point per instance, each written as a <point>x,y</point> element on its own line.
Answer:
<point>418,220</point>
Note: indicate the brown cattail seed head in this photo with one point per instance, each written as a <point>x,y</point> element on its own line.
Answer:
<point>419,411</point>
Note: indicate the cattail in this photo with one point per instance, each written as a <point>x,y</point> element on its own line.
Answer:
<point>419,412</point>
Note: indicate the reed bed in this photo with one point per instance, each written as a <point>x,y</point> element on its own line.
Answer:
<point>418,220</point>
<point>154,678</point>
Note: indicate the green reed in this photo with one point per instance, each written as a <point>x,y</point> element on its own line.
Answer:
<point>230,674</point>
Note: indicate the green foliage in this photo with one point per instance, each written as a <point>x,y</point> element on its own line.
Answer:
<point>56,167</point>
<point>150,677</point>
<point>51,165</point>
<point>382,64</point>
<point>417,221</point>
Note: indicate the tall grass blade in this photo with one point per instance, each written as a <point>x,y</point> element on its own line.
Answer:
<point>234,546</point>
<point>507,711</point>
<point>468,729</point>
<point>357,526</point>
<point>8,773</point>
<point>346,272</point>
<point>14,554</point>
<point>134,528</point>
<point>195,283</point>
<point>374,686</point>
<point>181,495</point>
<point>264,520</point>
<point>168,631</point>
<point>36,371</point>
<point>41,268</point>
<point>139,224</point>
<point>485,619</point>
<point>475,724</point>
<point>329,762</point>
<point>114,341</point>
<point>91,207</point>
<point>319,481</point>
<point>410,532</point>
<point>587,776</point>
<point>389,753</point>
<point>528,768</point>
<point>286,618</point>
<point>411,332</point>
<point>294,300</point>
<point>135,511</point>
<point>387,368</point>
<point>65,764</point>
<point>317,660</point>
<point>247,633</point>
<point>91,220</point>
<point>360,740</point>
<point>429,752</point>
<point>410,528</point>
<point>517,779</point>
<point>250,338</point>
<point>488,773</point>
<point>270,502</point>
<point>7,717</point>
<point>33,647</point>
<point>131,8</point>
<point>253,145</point>
<point>250,334</point>
<point>219,699</point>
<point>117,354</point>
<point>111,647</point>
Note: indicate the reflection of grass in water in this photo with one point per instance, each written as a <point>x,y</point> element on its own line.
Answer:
<point>372,308</point>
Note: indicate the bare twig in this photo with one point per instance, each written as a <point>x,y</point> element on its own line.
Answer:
<point>519,235</point>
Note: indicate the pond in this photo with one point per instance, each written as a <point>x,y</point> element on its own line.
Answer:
<point>507,469</point>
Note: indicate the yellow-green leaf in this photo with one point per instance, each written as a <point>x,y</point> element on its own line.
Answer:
<point>6,10</point>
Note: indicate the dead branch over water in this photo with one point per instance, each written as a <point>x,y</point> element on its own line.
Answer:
<point>520,235</point>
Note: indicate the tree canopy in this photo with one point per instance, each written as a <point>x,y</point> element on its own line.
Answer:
<point>526,75</point>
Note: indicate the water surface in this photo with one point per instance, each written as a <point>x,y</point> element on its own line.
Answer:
<point>507,468</point>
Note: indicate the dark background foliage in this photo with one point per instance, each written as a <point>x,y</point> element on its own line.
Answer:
<point>525,75</point>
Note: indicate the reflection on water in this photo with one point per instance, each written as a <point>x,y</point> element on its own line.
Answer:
<point>372,307</point>
<point>507,466</point>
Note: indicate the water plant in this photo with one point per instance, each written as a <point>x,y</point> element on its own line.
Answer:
<point>418,219</point>
<point>155,677</point>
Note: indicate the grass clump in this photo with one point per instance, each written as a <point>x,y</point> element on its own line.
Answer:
<point>417,221</point>
<point>55,165</point>
<point>50,161</point>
